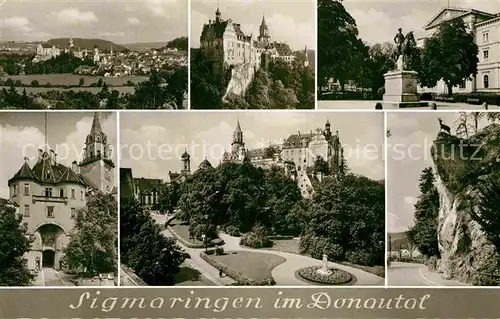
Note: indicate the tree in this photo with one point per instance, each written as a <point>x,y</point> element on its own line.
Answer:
<point>487,214</point>
<point>93,243</point>
<point>450,54</point>
<point>379,62</point>
<point>81,82</point>
<point>423,234</point>
<point>154,257</point>
<point>178,86</point>
<point>14,243</point>
<point>321,166</point>
<point>338,53</point>
<point>469,121</point>
<point>35,83</point>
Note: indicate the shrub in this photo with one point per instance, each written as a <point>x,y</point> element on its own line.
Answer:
<point>232,230</point>
<point>337,277</point>
<point>219,250</point>
<point>359,257</point>
<point>254,241</point>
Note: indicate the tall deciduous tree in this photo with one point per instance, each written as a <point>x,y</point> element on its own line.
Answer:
<point>338,43</point>
<point>14,243</point>
<point>93,245</point>
<point>488,215</point>
<point>424,233</point>
<point>450,54</point>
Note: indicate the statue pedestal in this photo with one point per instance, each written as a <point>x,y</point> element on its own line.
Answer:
<point>401,89</point>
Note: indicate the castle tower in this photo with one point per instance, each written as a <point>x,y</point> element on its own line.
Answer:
<point>306,62</point>
<point>237,146</point>
<point>328,132</point>
<point>71,45</point>
<point>264,31</point>
<point>96,164</point>
<point>186,163</point>
<point>218,15</point>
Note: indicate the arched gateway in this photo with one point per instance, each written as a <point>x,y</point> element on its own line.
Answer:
<point>51,239</point>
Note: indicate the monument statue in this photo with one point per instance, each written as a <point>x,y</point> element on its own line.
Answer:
<point>324,268</point>
<point>405,49</point>
<point>399,39</point>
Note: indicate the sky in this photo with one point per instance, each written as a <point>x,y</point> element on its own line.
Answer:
<point>292,22</point>
<point>120,21</point>
<point>408,153</point>
<point>22,134</point>
<point>379,20</point>
<point>152,143</point>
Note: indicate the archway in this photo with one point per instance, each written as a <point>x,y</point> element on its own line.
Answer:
<point>48,258</point>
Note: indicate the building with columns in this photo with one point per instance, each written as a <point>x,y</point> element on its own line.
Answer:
<point>48,194</point>
<point>486,29</point>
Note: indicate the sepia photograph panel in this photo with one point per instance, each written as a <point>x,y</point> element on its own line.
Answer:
<point>443,198</point>
<point>252,198</point>
<point>94,54</point>
<point>58,199</point>
<point>252,54</point>
<point>408,54</point>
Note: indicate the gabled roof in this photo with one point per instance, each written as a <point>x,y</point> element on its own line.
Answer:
<point>458,12</point>
<point>295,140</point>
<point>47,171</point>
<point>147,185</point>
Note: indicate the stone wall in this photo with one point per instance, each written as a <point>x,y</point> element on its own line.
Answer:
<point>129,278</point>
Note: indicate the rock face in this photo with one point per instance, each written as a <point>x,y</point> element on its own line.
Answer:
<point>241,78</point>
<point>466,254</point>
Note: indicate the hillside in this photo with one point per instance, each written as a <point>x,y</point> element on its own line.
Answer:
<point>103,45</point>
<point>143,46</point>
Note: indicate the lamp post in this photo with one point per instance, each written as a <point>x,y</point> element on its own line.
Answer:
<point>203,237</point>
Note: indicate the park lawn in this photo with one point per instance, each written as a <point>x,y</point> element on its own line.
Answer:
<point>292,246</point>
<point>253,265</point>
<point>182,230</point>
<point>191,277</point>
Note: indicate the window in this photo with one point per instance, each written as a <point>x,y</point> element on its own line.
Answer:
<point>48,192</point>
<point>26,212</point>
<point>462,84</point>
<point>486,82</point>
<point>61,193</point>
<point>14,190</point>
<point>81,195</point>
<point>26,189</point>
<point>73,193</point>
<point>486,54</point>
<point>485,37</point>
<point>50,211</point>
<point>73,212</point>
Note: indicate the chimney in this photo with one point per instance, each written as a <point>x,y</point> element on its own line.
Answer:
<point>40,154</point>
<point>26,160</point>
<point>75,168</point>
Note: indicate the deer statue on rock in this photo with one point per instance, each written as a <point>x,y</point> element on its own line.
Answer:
<point>443,127</point>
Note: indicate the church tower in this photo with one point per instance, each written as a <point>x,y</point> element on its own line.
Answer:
<point>186,163</point>
<point>96,165</point>
<point>328,132</point>
<point>238,146</point>
<point>264,36</point>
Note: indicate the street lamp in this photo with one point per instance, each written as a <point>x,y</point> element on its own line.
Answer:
<point>203,237</point>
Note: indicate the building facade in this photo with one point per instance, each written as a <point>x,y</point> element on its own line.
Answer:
<point>235,47</point>
<point>49,194</point>
<point>486,30</point>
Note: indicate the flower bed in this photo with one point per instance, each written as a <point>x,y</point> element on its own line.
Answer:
<point>337,277</point>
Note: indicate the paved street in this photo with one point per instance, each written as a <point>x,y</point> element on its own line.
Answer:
<point>370,105</point>
<point>284,274</point>
<point>409,274</point>
<point>52,278</point>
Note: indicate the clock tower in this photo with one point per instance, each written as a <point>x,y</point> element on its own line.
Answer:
<point>96,165</point>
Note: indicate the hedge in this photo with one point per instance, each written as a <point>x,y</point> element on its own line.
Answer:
<point>491,99</point>
<point>241,280</point>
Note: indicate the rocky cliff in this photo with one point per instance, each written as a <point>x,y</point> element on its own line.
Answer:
<point>241,78</point>
<point>459,166</point>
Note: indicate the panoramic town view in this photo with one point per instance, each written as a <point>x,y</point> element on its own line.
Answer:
<point>94,55</point>
<point>252,198</point>
<point>58,199</point>
<point>399,54</point>
<point>443,215</point>
<point>243,55</point>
